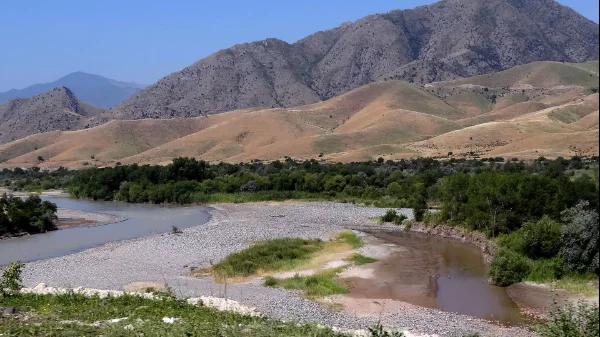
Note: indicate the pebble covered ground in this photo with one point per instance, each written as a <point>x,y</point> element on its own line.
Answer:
<point>168,257</point>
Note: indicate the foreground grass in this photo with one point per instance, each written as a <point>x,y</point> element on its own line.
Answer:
<point>72,314</point>
<point>322,283</point>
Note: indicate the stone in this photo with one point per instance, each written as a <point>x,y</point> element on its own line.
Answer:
<point>10,311</point>
<point>40,286</point>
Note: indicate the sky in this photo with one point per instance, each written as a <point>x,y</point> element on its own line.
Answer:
<point>145,40</point>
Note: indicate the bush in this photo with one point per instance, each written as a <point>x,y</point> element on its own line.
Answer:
<point>572,321</point>
<point>509,267</point>
<point>580,239</point>
<point>542,239</point>
<point>11,278</point>
<point>389,216</point>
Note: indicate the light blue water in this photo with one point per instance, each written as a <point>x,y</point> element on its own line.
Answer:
<point>142,220</point>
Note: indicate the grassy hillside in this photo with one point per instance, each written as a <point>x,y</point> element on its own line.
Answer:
<point>527,106</point>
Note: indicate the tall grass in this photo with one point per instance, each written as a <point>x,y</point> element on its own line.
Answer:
<point>322,283</point>
<point>272,255</point>
<point>350,238</point>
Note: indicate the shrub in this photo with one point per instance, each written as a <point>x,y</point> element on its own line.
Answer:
<point>378,331</point>
<point>571,321</point>
<point>580,239</point>
<point>389,216</point>
<point>541,239</point>
<point>509,267</point>
<point>11,278</point>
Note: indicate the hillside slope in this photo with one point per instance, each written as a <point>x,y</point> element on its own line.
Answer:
<point>446,40</point>
<point>96,90</point>
<point>57,109</point>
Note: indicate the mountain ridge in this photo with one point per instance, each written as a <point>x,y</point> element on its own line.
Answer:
<point>94,89</point>
<point>442,41</point>
<point>57,109</point>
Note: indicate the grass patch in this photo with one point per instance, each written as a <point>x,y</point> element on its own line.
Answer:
<point>360,259</point>
<point>350,238</point>
<point>45,313</point>
<point>323,283</point>
<point>272,255</point>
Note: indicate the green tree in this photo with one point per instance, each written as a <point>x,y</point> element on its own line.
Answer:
<point>542,238</point>
<point>580,238</point>
<point>509,267</point>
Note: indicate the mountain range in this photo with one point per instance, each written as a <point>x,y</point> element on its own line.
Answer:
<point>470,77</point>
<point>540,109</point>
<point>93,89</point>
<point>446,40</point>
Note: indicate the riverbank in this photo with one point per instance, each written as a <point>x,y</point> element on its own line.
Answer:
<point>168,258</point>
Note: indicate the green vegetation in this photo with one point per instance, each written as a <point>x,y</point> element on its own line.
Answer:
<point>546,250</point>
<point>579,320</point>
<point>509,267</point>
<point>392,216</point>
<point>350,238</point>
<point>31,215</point>
<point>74,315</point>
<point>359,259</point>
<point>272,255</point>
<point>11,279</point>
<point>322,283</point>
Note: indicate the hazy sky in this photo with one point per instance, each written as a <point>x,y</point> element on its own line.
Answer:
<point>144,40</point>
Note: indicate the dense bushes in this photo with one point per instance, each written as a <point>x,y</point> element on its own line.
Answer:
<point>549,248</point>
<point>509,267</point>
<point>498,203</point>
<point>31,215</point>
<point>580,239</point>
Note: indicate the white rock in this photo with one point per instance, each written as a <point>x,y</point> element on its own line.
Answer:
<point>170,320</point>
<point>40,286</point>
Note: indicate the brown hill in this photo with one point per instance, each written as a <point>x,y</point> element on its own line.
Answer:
<point>391,119</point>
<point>446,40</point>
<point>57,109</point>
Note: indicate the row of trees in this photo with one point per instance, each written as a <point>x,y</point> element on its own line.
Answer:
<point>31,215</point>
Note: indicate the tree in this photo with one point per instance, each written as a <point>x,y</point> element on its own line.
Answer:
<point>509,267</point>
<point>542,238</point>
<point>580,238</point>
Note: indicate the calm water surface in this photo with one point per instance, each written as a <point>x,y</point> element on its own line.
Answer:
<point>437,273</point>
<point>142,220</point>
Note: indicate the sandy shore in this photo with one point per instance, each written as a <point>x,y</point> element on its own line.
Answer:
<point>71,217</point>
<point>167,258</point>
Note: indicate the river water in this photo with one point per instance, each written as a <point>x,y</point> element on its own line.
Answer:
<point>437,273</point>
<point>142,220</point>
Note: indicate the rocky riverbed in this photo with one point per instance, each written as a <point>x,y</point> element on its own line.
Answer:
<point>167,258</point>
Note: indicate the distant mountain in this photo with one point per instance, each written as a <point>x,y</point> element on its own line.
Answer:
<point>447,40</point>
<point>97,90</point>
<point>57,109</point>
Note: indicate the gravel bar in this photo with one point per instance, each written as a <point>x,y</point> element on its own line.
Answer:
<point>233,227</point>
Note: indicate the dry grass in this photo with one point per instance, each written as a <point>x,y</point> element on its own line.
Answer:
<point>392,120</point>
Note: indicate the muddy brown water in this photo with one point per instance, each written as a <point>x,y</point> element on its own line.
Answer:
<point>436,273</point>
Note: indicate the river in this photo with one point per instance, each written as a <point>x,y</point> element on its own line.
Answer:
<point>437,273</point>
<point>142,220</point>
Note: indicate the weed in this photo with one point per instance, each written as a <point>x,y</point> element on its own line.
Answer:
<point>359,259</point>
<point>322,283</point>
<point>350,238</point>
